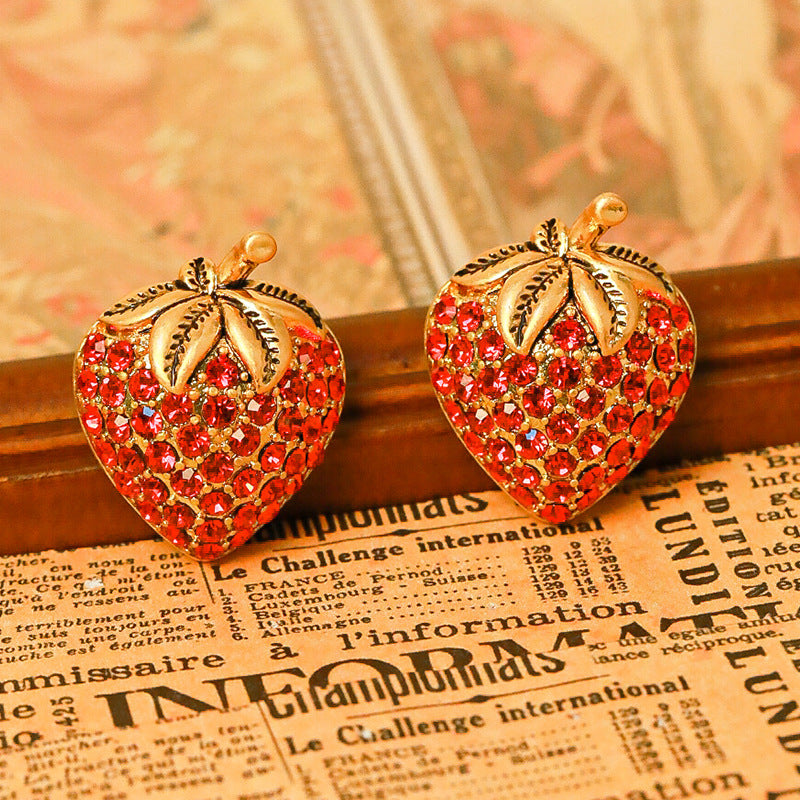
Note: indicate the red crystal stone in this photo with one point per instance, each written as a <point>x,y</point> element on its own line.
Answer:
<point>176,408</point>
<point>316,455</point>
<point>639,348</point>
<point>588,498</point>
<point>480,420</point>
<point>568,334</point>
<point>112,390</point>
<point>310,357</point>
<point>222,372</point>
<point>161,457</point>
<point>120,356</point>
<point>501,451</point>
<point>94,350</point>
<point>491,346</point>
<point>619,419</point>
<point>217,468</point>
<point>641,449</point>
<point>562,428</point>
<point>561,464</point>
<point>658,318</point>
<point>521,370</point>
<point>209,551</point>
<point>531,444</point>
<point>130,461</point>
<point>106,453</point>
<point>538,401</point>
<point>246,482</point>
<point>272,457</point>
<point>86,383</point>
<point>659,393</point>
<point>328,426</point>
<point>219,411</point>
<point>93,421</point>
<point>686,350</point>
<point>149,512</point>
<point>143,385</point>
<point>619,453</point>
<point>179,515</point>
<point>274,489</point>
<point>312,427</point>
<point>455,413</point>
<point>590,402</point>
<point>665,420</point>
<point>466,388</point>
<point>244,519</point>
<point>469,316</point>
<point>497,471</point>
<point>525,475</point>
<point>474,443</point>
<point>193,440</point>
<point>494,382</point>
<point>268,513</point>
<point>607,371</point>
<point>443,380</point>
<point>462,352</point>
<point>126,484</point>
<point>296,462</point>
<point>293,388</point>
<point>679,385</point>
<point>329,351</point>
<point>508,416</point>
<point>216,503</point>
<point>317,393</point>
<point>444,311</point>
<point>154,491</point>
<point>212,530</point>
<point>245,440</point>
<point>634,386</point>
<point>260,409</point>
<point>118,427</point>
<point>591,477</point>
<point>643,425</point>
<point>680,316</point>
<point>591,444</point>
<point>665,357</point>
<point>176,536</point>
<point>556,513</point>
<point>524,496</point>
<point>146,421</point>
<point>436,343</point>
<point>336,387</point>
<point>558,492</point>
<point>564,372</point>
<point>186,482</point>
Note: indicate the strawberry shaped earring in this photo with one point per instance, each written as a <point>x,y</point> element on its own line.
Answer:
<point>210,398</point>
<point>560,361</point>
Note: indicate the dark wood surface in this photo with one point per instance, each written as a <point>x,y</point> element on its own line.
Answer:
<point>393,444</point>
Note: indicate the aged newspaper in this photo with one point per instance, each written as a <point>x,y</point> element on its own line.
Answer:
<point>453,648</point>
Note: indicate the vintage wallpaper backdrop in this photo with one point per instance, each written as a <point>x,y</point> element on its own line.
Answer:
<point>380,141</point>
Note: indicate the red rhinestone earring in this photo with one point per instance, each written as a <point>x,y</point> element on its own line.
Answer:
<point>209,399</point>
<point>560,361</point>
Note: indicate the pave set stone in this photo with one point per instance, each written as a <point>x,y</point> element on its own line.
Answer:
<point>559,428</point>
<point>209,466</point>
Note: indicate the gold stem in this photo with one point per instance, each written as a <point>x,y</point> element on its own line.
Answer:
<point>245,256</point>
<point>605,211</point>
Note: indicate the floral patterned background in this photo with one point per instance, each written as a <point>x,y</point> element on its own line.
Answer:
<point>135,134</point>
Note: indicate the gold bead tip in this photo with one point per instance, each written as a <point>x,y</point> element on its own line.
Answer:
<point>259,247</point>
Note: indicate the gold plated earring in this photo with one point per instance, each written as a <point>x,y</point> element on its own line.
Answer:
<point>207,400</point>
<point>560,361</point>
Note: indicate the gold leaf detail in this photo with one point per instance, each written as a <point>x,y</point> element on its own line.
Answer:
<point>276,300</point>
<point>645,274</point>
<point>198,274</point>
<point>528,300</point>
<point>181,338</point>
<point>551,237</point>
<point>262,341</point>
<point>607,300</point>
<point>497,264</point>
<point>141,307</point>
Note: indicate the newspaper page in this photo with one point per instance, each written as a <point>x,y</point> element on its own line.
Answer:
<point>453,648</point>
